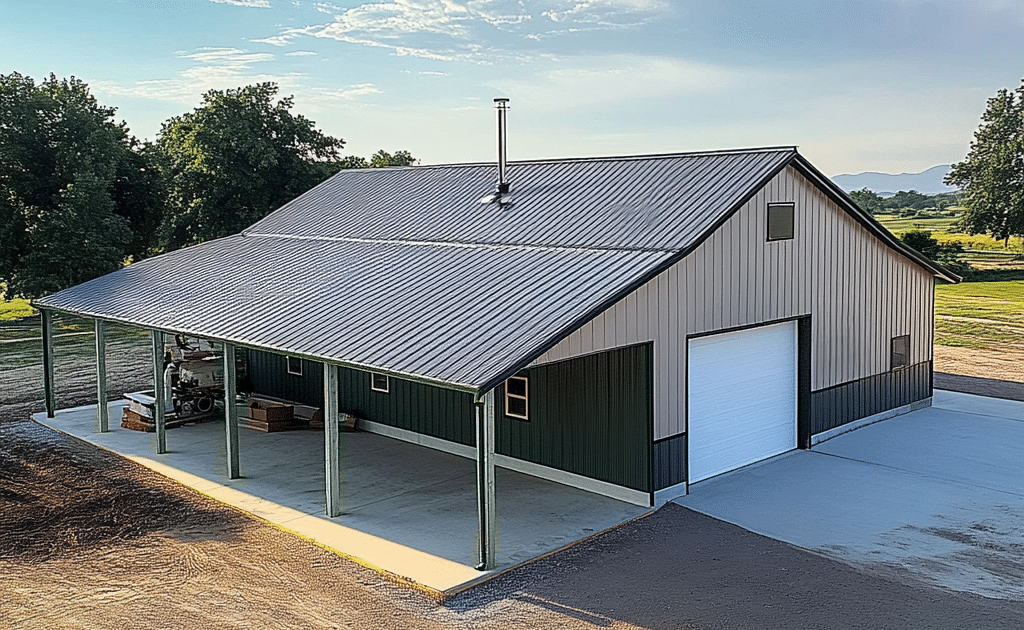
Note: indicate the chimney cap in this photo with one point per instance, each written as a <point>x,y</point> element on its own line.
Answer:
<point>501,100</point>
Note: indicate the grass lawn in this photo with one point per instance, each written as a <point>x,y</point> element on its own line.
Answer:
<point>983,315</point>
<point>15,309</point>
<point>896,224</point>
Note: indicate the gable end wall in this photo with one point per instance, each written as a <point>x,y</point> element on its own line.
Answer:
<point>858,291</point>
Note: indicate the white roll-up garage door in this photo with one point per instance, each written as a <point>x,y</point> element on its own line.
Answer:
<point>741,396</point>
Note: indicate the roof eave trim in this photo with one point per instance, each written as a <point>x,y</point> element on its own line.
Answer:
<point>839,196</point>
<point>426,380</point>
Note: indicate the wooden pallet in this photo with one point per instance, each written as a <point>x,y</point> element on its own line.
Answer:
<point>138,422</point>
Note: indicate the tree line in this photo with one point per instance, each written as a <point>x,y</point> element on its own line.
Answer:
<point>903,201</point>
<point>80,196</point>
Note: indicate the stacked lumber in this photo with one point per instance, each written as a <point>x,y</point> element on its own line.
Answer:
<point>138,422</point>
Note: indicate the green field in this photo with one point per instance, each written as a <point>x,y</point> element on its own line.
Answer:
<point>982,252</point>
<point>983,315</point>
<point>15,309</point>
<point>896,224</point>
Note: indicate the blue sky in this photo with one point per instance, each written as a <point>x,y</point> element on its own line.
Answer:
<point>862,85</point>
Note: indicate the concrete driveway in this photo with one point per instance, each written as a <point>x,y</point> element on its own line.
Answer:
<point>937,494</point>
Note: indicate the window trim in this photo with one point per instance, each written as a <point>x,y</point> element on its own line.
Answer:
<point>892,353</point>
<point>525,398</point>
<point>373,384</point>
<point>288,366</point>
<point>791,205</point>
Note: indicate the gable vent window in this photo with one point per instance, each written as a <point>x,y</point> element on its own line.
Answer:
<point>900,352</point>
<point>380,383</point>
<point>294,366</point>
<point>517,398</point>
<point>780,221</point>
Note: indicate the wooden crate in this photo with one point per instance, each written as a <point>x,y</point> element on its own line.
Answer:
<point>271,412</point>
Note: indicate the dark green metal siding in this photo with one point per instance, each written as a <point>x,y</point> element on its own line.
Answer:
<point>669,461</point>
<point>269,375</point>
<point>425,409</point>
<point>591,415</point>
<point>434,411</point>
<point>839,405</point>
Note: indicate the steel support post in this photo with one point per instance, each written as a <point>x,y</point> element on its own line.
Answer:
<point>486,554</point>
<point>160,405</point>
<point>332,442</point>
<point>102,393</point>
<point>49,400</point>
<point>231,411</point>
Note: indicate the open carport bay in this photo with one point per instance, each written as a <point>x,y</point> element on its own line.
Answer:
<point>407,509</point>
<point>937,494</point>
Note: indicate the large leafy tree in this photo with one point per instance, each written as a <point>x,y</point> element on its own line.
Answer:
<point>234,159</point>
<point>946,254</point>
<point>73,185</point>
<point>992,175</point>
<point>868,200</point>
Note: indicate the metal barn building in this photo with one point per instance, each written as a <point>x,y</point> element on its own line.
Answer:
<point>625,325</point>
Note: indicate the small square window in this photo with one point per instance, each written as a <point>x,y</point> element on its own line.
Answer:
<point>295,366</point>
<point>900,352</point>
<point>380,383</point>
<point>780,221</point>
<point>517,398</point>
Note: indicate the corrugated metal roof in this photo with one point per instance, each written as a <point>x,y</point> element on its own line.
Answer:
<point>404,271</point>
<point>657,202</point>
<point>450,314</point>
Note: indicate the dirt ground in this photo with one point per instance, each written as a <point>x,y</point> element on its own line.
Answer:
<point>89,540</point>
<point>998,373</point>
<point>1005,364</point>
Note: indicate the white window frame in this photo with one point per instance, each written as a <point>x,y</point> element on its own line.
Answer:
<point>387,383</point>
<point>525,398</point>
<point>288,365</point>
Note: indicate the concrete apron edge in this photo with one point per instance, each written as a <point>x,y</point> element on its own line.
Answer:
<point>488,577</point>
<point>818,438</point>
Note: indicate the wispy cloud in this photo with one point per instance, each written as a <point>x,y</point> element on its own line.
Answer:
<point>349,93</point>
<point>285,37</point>
<point>257,4</point>
<point>299,53</point>
<point>448,30</point>
<point>222,68</point>
<point>327,7</point>
<point>607,12</point>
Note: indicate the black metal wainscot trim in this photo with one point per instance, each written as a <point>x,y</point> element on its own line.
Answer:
<point>669,461</point>
<point>845,403</point>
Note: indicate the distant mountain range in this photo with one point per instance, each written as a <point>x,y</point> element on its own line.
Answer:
<point>886,184</point>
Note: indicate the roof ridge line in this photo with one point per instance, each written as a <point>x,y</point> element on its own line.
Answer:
<point>458,244</point>
<point>593,158</point>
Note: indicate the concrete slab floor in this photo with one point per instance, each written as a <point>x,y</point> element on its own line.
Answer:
<point>409,510</point>
<point>937,494</point>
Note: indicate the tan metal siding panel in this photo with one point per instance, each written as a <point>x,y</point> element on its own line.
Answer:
<point>859,292</point>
